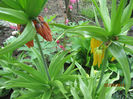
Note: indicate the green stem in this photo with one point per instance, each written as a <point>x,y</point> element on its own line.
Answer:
<point>44,61</point>
<point>103,68</point>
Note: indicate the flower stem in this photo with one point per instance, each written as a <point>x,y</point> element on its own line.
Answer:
<point>44,61</point>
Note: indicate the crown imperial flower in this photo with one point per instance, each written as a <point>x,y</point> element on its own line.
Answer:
<point>98,53</point>
<point>42,28</point>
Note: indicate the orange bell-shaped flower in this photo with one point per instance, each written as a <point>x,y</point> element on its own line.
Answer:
<point>42,28</point>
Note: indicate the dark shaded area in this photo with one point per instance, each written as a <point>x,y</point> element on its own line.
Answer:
<point>7,96</point>
<point>5,32</point>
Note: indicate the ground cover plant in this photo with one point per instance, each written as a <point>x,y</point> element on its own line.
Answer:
<point>67,61</point>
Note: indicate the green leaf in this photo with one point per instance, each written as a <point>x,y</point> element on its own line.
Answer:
<point>94,31</point>
<point>96,16</point>
<point>125,39</point>
<point>34,7</point>
<point>65,78</point>
<point>105,78</point>
<point>128,50</point>
<point>40,66</point>
<point>70,68</point>
<point>127,12</point>
<point>12,4</point>
<point>85,89</point>
<point>116,22</point>
<point>113,11</point>
<point>22,3</point>
<point>61,87</point>
<point>47,94</point>
<point>30,95</point>
<point>119,54</point>
<point>127,26</point>
<point>27,35</point>
<point>61,26</point>
<point>15,16</point>
<point>20,83</point>
<point>24,75</point>
<point>82,71</point>
<point>3,73</point>
<point>74,93</point>
<point>3,5</point>
<point>105,14</point>
<point>57,63</point>
<point>106,92</point>
<point>35,74</point>
<point>103,11</point>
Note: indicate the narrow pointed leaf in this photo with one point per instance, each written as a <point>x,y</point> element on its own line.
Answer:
<point>12,4</point>
<point>82,71</point>
<point>30,95</point>
<point>59,63</point>
<point>22,84</point>
<point>47,94</point>
<point>103,11</point>
<point>116,22</point>
<point>119,54</point>
<point>113,11</point>
<point>14,16</point>
<point>61,26</point>
<point>34,7</point>
<point>127,26</point>
<point>91,30</point>
<point>85,90</point>
<point>55,63</point>
<point>74,93</point>
<point>127,12</point>
<point>22,3</point>
<point>125,39</point>
<point>127,49</point>
<point>35,74</point>
<point>40,66</point>
<point>105,14</point>
<point>3,5</point>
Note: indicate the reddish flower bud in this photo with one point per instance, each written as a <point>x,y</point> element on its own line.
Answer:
<point>58,41</point>
<point>43,29</point>
<point>30,44</point>
<point>62,47</point>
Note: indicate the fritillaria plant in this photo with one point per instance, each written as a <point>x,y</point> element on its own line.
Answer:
<point>25,13</point>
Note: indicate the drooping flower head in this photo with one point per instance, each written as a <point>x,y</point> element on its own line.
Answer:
<point>98,53</point>
<point>41,27</point>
